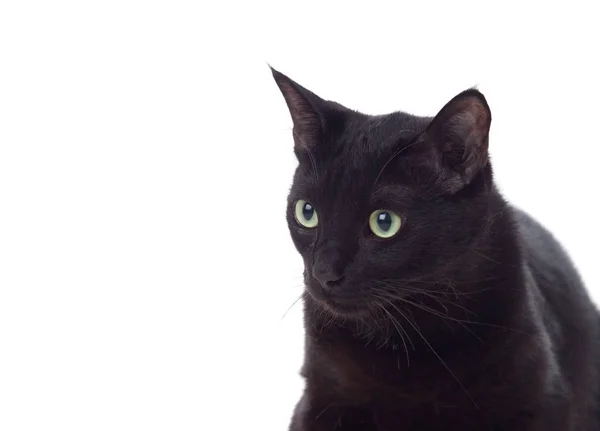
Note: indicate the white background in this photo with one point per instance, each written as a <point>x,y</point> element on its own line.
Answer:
<point>145,157</point>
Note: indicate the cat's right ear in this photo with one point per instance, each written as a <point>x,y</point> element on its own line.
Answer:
<point>306,109</point>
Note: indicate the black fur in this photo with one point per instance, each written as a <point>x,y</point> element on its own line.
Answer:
<point>472,317</point>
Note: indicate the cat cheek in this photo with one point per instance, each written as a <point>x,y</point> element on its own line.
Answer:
<point>303,239</point>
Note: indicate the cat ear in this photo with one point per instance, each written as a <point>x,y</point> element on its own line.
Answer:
<point>306,109</point>
<point>458,136</point>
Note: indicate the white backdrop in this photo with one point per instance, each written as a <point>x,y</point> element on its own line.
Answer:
<point>145,157</point>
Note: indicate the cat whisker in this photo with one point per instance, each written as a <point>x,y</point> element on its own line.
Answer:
<point>396,153</point>
<point>400,331</point>
<point>446,316</point>
<point>415,327</point>
<point>433,294</point>
<point>462,321</point>
<point>444,282</point>
<point>301,296</point>
<point>483,255</point>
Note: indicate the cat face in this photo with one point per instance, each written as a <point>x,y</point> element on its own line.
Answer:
<point>380,204</point>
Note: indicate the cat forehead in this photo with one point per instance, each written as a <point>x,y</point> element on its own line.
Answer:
<point>342,183</point>
<point>350,160</point>
<point>372,135</point>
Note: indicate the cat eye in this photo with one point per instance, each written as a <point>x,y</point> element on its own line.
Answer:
<point>306,215</point>
<point>384,223</point>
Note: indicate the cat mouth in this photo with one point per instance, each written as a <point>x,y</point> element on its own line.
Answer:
<point>347,307</point>
<point>338,302</point>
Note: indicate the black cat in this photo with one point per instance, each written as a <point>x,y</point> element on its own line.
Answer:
<point>430,302</point>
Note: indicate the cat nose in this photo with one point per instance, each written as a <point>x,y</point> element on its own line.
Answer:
<point>329,265</point>
<point>327,276</point>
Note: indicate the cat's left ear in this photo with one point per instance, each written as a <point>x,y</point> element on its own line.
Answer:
<point>307,111</point>
<point>458,137</point>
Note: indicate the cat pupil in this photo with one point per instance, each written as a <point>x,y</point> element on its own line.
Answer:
<point>308,211</point>
<point>384,220</point>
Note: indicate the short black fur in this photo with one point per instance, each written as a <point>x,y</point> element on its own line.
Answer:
<point>471,317</point>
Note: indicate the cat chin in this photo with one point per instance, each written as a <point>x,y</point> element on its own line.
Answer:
<point>340,305</point>
<point>348,310</point>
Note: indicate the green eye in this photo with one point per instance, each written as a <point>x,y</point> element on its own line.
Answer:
<point>306,214</point>
<point>384,224</point>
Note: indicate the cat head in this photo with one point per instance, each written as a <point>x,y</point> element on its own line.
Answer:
<point>379,203</point>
